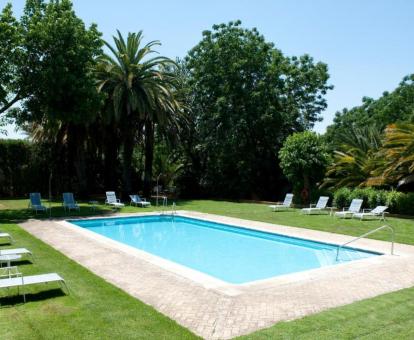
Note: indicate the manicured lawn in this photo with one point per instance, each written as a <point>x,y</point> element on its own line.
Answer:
<point>94,309</point>
<point>98,310</point>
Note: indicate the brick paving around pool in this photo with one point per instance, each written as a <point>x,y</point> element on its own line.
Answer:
<point>217,310</point>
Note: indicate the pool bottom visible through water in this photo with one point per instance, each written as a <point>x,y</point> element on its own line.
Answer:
<point>229,253</point>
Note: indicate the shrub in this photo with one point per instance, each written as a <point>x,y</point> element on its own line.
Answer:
<point>397,202</point>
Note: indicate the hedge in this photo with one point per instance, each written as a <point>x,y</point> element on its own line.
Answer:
<point>397,202</point>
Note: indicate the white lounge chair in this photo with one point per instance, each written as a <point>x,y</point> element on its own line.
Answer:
<point>318,207</point>
<point>7,235</point>
<point>112,200</point>
<point>21,281</point>
<point>379,212</point>
<point>287,203</point>
<point>69,202</point>
<point>17,251</point>
<point>137,200</point>
<point>36,202</point>
<point>354,208</point>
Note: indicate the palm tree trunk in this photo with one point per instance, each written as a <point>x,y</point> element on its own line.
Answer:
<point>128,148</point>
<point>149,156</point>
<point>110,158</point>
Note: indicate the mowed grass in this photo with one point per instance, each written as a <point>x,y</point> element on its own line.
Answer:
<point>97,310</point>
<point>94,309</point>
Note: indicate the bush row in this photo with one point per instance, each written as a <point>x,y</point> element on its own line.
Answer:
<point>397,202</point>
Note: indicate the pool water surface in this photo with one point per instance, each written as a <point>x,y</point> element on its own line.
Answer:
<point>233,254</point>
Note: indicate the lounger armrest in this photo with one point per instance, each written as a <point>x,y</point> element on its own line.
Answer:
<point>366,210</point>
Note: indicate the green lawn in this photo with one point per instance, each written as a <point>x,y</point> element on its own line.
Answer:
<point>98,310</point>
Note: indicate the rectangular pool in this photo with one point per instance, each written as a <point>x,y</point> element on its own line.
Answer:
<point>229,253</point>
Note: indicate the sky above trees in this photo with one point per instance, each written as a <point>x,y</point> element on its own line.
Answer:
<point>366,44</point>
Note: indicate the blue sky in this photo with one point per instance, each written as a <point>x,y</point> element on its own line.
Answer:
<point>368,45</point>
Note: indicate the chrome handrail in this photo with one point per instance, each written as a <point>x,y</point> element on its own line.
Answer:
<point>369,233</point>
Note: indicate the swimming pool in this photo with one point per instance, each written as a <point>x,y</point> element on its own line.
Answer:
<point>229,253</point>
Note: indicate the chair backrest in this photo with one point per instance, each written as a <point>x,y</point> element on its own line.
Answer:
<point>322,202</point>
<point>35,198</point>
<point>111,197</point>
<point>379,209</point>
<point>68,198</point>
<point>135,198</point>
<point>356,204</point>
<point>288,199</point>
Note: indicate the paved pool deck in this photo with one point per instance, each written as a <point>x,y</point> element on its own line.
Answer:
<point>217,310</point>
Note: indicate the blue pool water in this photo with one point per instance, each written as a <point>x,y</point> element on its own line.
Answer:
<point>229,253</point>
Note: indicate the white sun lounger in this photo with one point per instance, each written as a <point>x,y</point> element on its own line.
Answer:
<point>285,205</point>
<point>112,200</point>
<point>137,200</point>
<point>17,251</point>
<point>318,207</point>
<point>7,235</point>
<point>354,208</point>
<point>22,281</point>
<point>379,212</point>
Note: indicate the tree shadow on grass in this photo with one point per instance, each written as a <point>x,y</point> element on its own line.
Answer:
<point>20,215</point>
<point>15,300</point>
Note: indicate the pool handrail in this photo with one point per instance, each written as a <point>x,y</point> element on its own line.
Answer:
<point>366,234</point>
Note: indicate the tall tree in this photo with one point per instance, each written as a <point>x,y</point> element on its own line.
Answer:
<point>390,108</point>
<point>56,79</point>
<point>10,58</point>
<point>140,89</point>
<point>247,98</point>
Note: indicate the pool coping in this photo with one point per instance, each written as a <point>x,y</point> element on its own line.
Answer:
<point>232,309</point>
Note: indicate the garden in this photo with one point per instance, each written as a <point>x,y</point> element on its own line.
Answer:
<point>225,130</point>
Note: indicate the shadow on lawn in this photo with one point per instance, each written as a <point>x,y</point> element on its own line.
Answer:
<point>20,215</point>
<point>12,301</point>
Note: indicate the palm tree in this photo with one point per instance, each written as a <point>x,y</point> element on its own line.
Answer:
<point>399,153</point>
<point>356,159</point>
<point>138,88</point>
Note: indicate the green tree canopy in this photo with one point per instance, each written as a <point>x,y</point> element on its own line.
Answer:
<point>59,52</point>
<point>10,58</point>
<point>303,159</point>
<point>390,108</point>
<point>247,97</point>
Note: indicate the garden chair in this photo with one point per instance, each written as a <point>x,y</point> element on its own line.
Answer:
<point>137,200</point>
<point>286,204</point>
<point>354,208</point>
<point>36,202</point>
<point>69,202</point>
<point>379,211</point>
<point>7,235</point>
<point>318,207</point>
<point>112,200</point>
<point>17,251</point>
<point>13,278</point>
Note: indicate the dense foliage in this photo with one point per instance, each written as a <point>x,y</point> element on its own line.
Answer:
<point>391,107</point>
<point>397,202</point>
<point>231,120</point>
<point>247,97</point>
<point>303,159</point>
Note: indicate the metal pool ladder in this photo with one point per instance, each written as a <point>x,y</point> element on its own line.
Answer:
<point>386,226</point>
<point>173,210</point>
